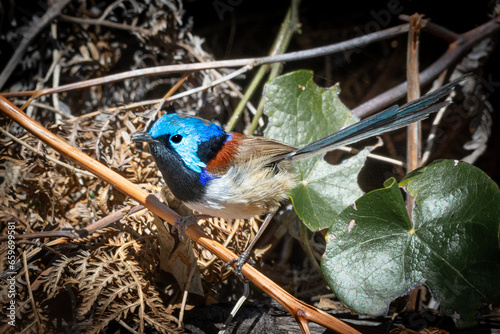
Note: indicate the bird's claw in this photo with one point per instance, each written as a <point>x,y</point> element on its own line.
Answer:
<point>240,261</point>
<point>183,223</point>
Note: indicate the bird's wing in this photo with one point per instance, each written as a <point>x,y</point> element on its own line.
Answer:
<point>264,149</point>
<point>244,149</point>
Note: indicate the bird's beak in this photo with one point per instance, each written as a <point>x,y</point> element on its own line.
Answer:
<point>140,136</point>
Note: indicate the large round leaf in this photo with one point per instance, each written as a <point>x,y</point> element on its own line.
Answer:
<point>375,253</point>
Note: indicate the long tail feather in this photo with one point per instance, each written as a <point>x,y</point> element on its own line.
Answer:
<point>390,119</point>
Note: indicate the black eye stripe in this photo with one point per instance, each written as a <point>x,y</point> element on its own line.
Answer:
<point>176,139</point>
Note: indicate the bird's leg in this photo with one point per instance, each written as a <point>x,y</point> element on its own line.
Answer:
<point>243,258</point>
<point>183,222</point>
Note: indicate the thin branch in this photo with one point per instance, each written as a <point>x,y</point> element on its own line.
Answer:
<point>87,230</point>
<point>433,135</point>
<point>214,83</point>
<point>30,293</point>
<point>281,42</point>
<point>45,234</point>
<point>436,30</point>
<point>292,26</point>
<point>252,62</point>
<point>414,150</point>
<point>127,327</point>
<point>104,23</point>
<point>304,238</point>
<point>48,107</point>
<point>185,294</point>
<point>57,54</point>
<point>373,156</point>
<point>218,75</point>
<point>173,89</point>
<point>109,9</point>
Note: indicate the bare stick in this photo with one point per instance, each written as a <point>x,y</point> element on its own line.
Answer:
<point>104,23</point>
<point>288,27</point>
<point>87,230</point>
<point>414,152</point>
<point>161,70</point>
<point>30,293</point>
<point>185,295</point>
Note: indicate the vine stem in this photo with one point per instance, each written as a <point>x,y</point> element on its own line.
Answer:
<point>302,312</point>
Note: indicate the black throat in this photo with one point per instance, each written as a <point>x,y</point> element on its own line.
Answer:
<point>182,181</point>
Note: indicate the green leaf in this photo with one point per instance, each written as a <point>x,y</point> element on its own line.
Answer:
<point>375,253</point>
<point>325,190</point>
<point>300,113</point>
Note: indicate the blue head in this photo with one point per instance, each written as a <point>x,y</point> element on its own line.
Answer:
<point>185,136</point>
<point>182,146</point>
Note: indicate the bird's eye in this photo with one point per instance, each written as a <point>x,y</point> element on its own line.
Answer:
<point>176,139</point>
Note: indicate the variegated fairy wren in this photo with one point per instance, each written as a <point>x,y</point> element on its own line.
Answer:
<point>231,175</point>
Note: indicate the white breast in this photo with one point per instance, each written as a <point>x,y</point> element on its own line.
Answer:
<point>244,192</point>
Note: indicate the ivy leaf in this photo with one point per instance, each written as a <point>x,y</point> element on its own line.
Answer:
<point>300,113</point>
<point>375,253</point>
<point>325,190</point>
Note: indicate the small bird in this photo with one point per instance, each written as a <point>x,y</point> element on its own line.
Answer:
<point>231,175</point>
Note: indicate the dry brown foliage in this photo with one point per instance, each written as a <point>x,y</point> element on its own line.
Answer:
<point>119,273</point>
